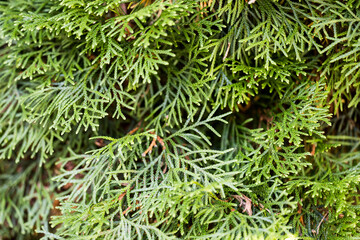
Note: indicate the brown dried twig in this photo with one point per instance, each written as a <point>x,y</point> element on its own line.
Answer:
<point>126,210</point>
<point>245,203</point>
<point>318,227</point>
<point>135,128</point>
<point>153,144</point>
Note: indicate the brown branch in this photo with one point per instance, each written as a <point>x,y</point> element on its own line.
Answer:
<point>301,217</point>
<point>227,51</point>
<point>126,211</point>
<point>262,207</point>
<point>135,128</point>
<point>318,227</point>
<point>245,203</point>
<point>153,144</point>
<point>313,150</point>
<point>165,169</point>
<point>161,141</point>
<point>122,196</point>
<point>124,193</point>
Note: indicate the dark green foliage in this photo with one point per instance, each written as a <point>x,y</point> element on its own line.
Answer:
<point>179,119</point>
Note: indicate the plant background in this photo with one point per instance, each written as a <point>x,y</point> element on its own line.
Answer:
<point>174,119</point>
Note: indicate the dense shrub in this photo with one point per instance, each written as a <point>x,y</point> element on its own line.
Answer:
<point>179,119</point>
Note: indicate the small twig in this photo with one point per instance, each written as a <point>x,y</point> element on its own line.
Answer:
<point>313,150</point>
<point>153,144</point>
<point>299,212</point>
<point>318,227</point>
<point>126,211</point>
<point>227,51</point>
<point>124,193</point>
<point>149,149</point>
<point>245,203</point>
<point>161,141</point>
<point>135,128</point>
<point>165,169</point>
<point>122,196</point>
<point>262,207</point>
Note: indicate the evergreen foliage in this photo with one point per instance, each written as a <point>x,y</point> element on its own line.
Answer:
<point>179,119</point>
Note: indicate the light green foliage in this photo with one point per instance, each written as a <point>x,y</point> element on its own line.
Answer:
<point>26,196</point>
<point>179,119</point>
